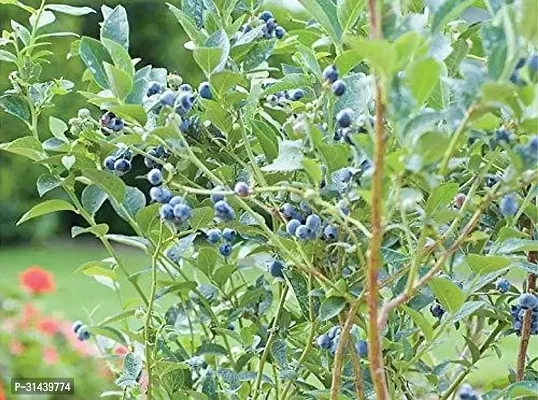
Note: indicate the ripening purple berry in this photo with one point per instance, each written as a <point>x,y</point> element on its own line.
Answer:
<point>459,200</point>
<point>334,332</point>
<point>271,24</point>
<point>241,189</point>
<point>508,205</point>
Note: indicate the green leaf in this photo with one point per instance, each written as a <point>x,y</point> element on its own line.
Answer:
<point>207,258</point>
<point>201,217</point>
<point>278,352</point>
<point>266,138</point>
<point>211,348</point>
<point>495,47</point>
<point>422,76</point>
<point>335,155</point>
<point>130,112</point>
<point>289,158</point>
<point>448,294</point>
<point>27,146</point>
<point>517,245</point>
<point>58,128</point>
<point>132,367</point>
<point>94,54</point>
<point>46,207</point>
<point>133,241</point>
<point>120,56</point>
<point>331,307</point>
<point>259,53</point>
<point>132,204</point>
<point>291,81</point>
<point>313,169</point>
<point>119,81</point>
<point>93,198</point>
<point>440,197</point>
<point>99,230</point>
<point>71,10</point>
<point>46,183</point>
<point>446,11</point>
<point>485,264</point>
<point>521,389</point>
<point>219,40</point>
<point>117,317</point>
<point>421,322</point>
<point>7,56</point>
<point>324,12</point>
<point>380,54</point>
<point>222,81</point>
<point>207,58</point>
<point>348,12</point>
<point>468,308</point>
<point>526,17</point>
<point>196,35</point>
<point>46,18</point>
<point>15,106</point>
<point>347,60</point>
<point>107,182</point>
<point>116,27</point>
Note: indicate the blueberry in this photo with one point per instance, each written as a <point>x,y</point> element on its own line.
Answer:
<point>313,222</point>
<point>168,98</point>
<point>174,201</point>
<point>528,301</point>
<point>330,74</point>
<point>247,28</point>
<point>333,332</point>
<point>466,392</point>
<point>213,235</point>
<point>533,63</point>
<point>155,177</point>
<point>502,136</point>
<point>116,124</point>
<point>185,88</point>
<point>345,175</point>
<point>288,210</point>
<point>106,118</point>
<point>516,79</point>
<point>521,63</point>
<point>182,212</point>
<point>324,342</point>
<point>334,345</point>
<point>301,232</point>
<point>362,348</point>
<point>338,88</point>
<point>491,180</point>
<point>185,101</point>
<point>160,194</point>
<point>122,165</point>
<point>215,197</point>
<point>225,249</point>
<point>297,95</point>
<point>271,24</point>
<point>148,162</point>
<point>502,285</point>
<point>241,189</point>
<point>82,333</point>
<point>303,205</point>
<point>275,268</point>
<point>266,33</point>
<point>109,163</point>
<point>459,200</point>
<point>330,233</point>
<point>205,91</point>
<point>166,212</point>
<point>184,125</point>
<point>224,211</point>
<point>292,226</point>
<point>344,118</point>
<point>280,32</point>
<point>154,88</point>
<point>228,234</point>
<point>508,205</point>
<point>437,310</point>
<point>266,16</point>
<point>76,326</point>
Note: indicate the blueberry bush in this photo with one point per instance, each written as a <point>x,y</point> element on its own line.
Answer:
<point>326,208</point>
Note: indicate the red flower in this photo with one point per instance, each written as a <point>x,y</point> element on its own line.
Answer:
<point>49,326</point>
<point>36,280</point>
<point>29,316</point>
<point>121,350</point>
<point>2,393</point>
<point>50,355</point>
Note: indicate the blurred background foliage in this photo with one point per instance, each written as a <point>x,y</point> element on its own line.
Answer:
<point>156,38</point>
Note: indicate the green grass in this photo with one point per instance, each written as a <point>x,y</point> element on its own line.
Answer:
<point>76,293</point>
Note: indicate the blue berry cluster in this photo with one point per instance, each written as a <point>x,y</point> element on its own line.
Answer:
<point>309,226</point>
<point>223,210</point>
<point>466,392</point>
<point>158,152</point>
<point>527,301</point>
<point>329,341</point>
<point>532,64</point>
<point>330,75</point>
<point>110,122</point>
<point>81,331</point>
<point>270,27</point>
<point>282,99</point>
<point>215,235</point>
<point>119,163</point>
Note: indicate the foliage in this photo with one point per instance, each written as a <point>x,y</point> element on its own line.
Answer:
<point>306,214</point>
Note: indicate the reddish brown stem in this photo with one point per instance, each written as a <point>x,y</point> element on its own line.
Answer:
<point>527,320</point>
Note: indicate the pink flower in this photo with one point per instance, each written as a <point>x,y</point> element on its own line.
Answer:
<point>16,348</point>
<point>36,280</point>
<point>2,393</point>
<point>121,350</point>
<point>29,316</point>
<point>49,326</point>
<point>50,355</point>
